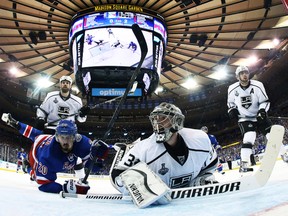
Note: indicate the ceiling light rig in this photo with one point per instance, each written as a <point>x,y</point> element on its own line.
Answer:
<point>34,36</point>
<point>201,39</point>
<point>188,2</point>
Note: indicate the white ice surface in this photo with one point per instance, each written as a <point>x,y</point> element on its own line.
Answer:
<point>20,196</point>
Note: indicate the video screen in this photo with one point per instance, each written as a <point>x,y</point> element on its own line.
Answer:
<point>106,52</point>
<point>115,47</point>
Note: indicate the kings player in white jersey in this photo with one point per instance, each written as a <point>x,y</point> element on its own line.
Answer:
<point>60,105</point>
<point>248,103</point>
<point>181,157</point>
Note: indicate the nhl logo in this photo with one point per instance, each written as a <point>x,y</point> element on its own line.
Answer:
<point>181,159</point>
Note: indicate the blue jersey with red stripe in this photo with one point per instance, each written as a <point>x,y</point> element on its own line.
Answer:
<point>214,142</point>
<point>47,159</point>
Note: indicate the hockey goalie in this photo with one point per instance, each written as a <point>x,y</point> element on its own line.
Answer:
<point>172,157</point>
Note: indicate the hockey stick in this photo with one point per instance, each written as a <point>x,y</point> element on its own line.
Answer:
<point>279,117</point>
<point>132,90</point>
<point>256,180</point>
<point>143,46</point>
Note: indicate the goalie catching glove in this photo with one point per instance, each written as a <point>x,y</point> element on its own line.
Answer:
<point>75,187</point>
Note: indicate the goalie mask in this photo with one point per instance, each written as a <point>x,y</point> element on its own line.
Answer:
<point>166,119</point>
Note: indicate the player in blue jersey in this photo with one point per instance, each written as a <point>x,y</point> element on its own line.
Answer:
<point>21,156</point>
<point>132,46</point>
<point>215,145</point>
<point>51,154</point>
<point>212,138</point>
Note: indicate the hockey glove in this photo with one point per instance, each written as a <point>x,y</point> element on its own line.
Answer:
<point>7,118</point>
<point>205,179</point>
<point>99,149</point>
<point>40,124</point>
<point>75,187</point>
<point>84,111</point>
<point>261,115</point>
<point>233,113</point>
<point>263,122</point>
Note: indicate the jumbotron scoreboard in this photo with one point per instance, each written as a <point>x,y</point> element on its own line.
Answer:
<point>105,51</point>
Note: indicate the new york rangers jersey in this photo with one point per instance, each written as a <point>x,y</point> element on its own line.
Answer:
<point>47,159</point>
<point>214,142</point>
<point>21,156</point>
<point>56,107</point>
<point>248,100</point>
<point>176,167</point>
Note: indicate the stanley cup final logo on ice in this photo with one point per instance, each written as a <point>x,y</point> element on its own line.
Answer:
<point>205,190</point>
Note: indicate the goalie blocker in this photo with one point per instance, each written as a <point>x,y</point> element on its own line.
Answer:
<point>144,186</point>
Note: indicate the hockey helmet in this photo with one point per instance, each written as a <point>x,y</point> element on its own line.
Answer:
<point>240,69</point>
<point>66,128</point>
<point>166,119</point>
<point>67,78</point>
<point>205,129</point>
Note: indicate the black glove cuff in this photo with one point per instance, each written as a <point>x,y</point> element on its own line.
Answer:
<point>233,113</point>
<point>40,124</point>
<point>84,111</point>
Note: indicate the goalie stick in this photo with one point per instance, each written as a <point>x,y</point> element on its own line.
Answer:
<point>144,49</point>
<point>258,178</point>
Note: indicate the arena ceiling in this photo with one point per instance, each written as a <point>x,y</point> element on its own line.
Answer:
<point>231,32</point>
<point>236,30</point>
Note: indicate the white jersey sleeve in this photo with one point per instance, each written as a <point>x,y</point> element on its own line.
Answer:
<point>262,95</point>
<point>79,102</point>
<point>231,97</point>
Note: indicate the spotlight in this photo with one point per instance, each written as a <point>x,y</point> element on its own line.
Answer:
<point>197,2</point>
<point>267,4</point>
<point>166,66</point>
<point>202,40</point>
<point>66,67</point>
<point>186,2</point>
<point>250,36</point>
<point>12,58</point>
<point>42,35</point>
<point>193,38</point>
<point>33,37</point>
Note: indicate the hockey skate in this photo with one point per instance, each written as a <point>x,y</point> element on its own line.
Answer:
<point>244,167</point>
<point>6,117</point>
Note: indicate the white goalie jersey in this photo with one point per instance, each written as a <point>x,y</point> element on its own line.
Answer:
<point>54,107</point>
<point>176,169</point>
<point>248,101</point>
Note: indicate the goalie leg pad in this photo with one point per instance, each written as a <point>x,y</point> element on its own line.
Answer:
<point>144,186</point>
